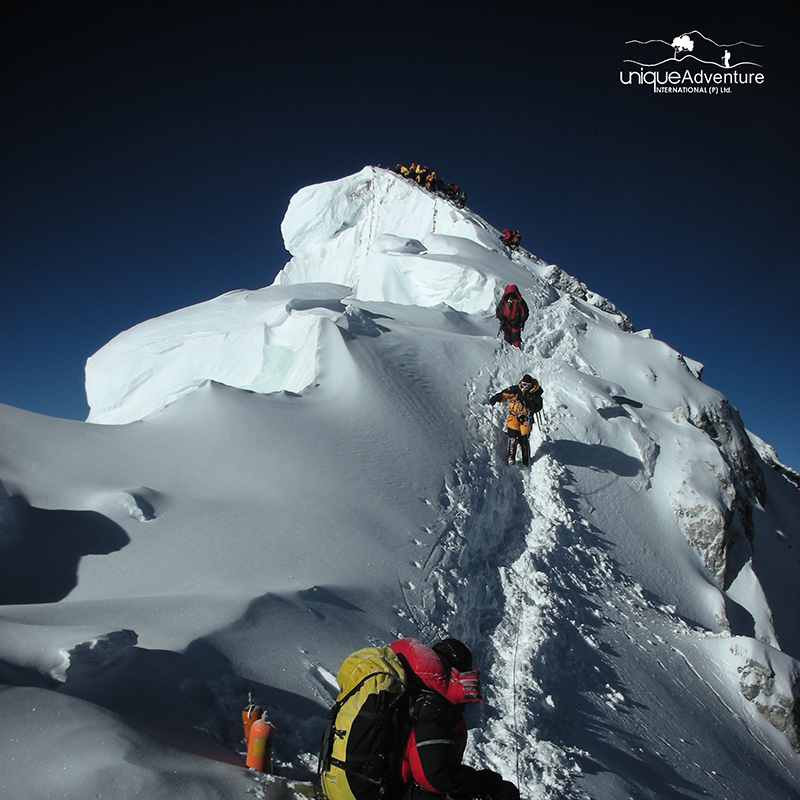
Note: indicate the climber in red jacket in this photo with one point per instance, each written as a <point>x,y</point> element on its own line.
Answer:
<point>441,681</point>
<point>512,311</point>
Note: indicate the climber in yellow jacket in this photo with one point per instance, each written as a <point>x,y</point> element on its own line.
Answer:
<point>524,401</point>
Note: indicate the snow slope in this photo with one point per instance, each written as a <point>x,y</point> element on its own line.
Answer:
<point>270,480</point>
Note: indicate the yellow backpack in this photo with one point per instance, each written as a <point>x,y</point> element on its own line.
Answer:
<point>361,744</point>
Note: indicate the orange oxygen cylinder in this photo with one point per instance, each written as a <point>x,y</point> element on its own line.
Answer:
<point>259,746</point>
<point>249,716</point>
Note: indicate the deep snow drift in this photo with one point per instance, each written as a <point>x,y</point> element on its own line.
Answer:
<point>274,478</point>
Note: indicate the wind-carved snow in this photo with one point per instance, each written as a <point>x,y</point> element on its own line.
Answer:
<point>262,341</point>
<point>316,467</point>
<point>365,231</point>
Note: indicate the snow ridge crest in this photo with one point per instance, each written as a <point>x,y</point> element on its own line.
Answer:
<point>369,237</point>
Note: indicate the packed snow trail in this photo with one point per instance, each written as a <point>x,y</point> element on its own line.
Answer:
<point>483,581</point>
<point>508,738</point>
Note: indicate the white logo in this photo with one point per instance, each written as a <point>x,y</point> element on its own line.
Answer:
<point>729,64</point>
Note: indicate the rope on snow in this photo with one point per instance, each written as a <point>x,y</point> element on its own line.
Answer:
<point>514,677</point>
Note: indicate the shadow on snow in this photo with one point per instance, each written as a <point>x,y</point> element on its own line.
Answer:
<point>40,549</point>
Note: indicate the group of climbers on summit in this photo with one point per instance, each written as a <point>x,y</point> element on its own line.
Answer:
<point>428,179</point>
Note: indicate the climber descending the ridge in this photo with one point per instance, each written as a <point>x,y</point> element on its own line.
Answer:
<point>512,311</point>
<point>524,402</point>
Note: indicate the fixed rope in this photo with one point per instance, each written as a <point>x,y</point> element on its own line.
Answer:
<point>514,677</point>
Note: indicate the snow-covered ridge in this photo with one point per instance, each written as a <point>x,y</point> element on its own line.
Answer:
<point>372,236</point>
<point>327,472</point>
<point>375,237</point>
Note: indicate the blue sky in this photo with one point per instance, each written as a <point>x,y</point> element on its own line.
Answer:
<point>150,150</point>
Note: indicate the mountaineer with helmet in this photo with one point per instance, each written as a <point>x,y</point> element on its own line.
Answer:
<point>441,681</point>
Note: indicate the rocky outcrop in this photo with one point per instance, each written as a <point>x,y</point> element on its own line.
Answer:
<point>757,681</point>
<point>713,529</point>
<point>565,282</point>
